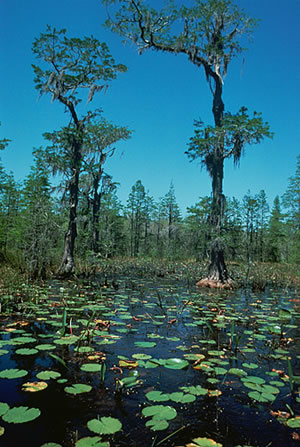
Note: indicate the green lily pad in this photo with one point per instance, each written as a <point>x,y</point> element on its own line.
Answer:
<point>182,398</point>
<point>157,424</point>
<point>84,349</point>
<point>2,430</point>
<point>253,379</point>
<point>261,397</point>
<point>66,340</point>
<point>250,365</point>
<point>13,373</point>
<point>23,340</point>
<point>194,356</point>
<point>90,367</point>
<point>26,351</point>
<point>284,314</point>
<point>237,372</point>
<point>4,407</point>
<point>142,356</point>
<point>161,412</point>
<point>293,422</point>
<point>206,442</point>
<point>104,426</point>
<point>45,347</point>
<point>20,415</point>
<point>47,375</point>
<point>78,388</point>
<point>91,441</point>
<point>3,352</point>
<point>195,390</point>
<point>175,363</point>
<point>157,396</point>
<point>145,344</point>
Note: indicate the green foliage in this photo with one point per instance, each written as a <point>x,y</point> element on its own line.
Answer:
<point>208,33</point>
<point>230,138</point>
<point>105,425</point>
<point>291,204</point>
<point>39,226</point>
<point>19,415</point>
<point>67,66</point>
<point>72,64</point>
<point>276,233</point>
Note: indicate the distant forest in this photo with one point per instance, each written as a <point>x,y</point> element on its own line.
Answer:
<point>34,219</point>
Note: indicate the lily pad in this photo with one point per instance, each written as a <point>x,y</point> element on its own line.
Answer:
<point>26,351</point>
<point>91,441</point>
<point>182,398</point>
<point>47,375</point>
<point>90,367</point>
<point>204,442</point>
<point>157,396</point>
<point>293,422</point>
<point>13,373</point>
<point>78,388</point>
<point>175,363</point>
<point>23,340</point>
<point>194,356</point>
<point>145,344</point>
<point>20,415</point>
<point>195,390</point>
<point>104,426</point>
<point>261,397</point>
<point>45,347</point>
<point>157,424</point>
<point>160,412</point>
<point>237,372</point>
<point>4,407</point>
<point>142,356</point>
<point>66,340</point>
<point>250,365</point>
<point>34,386</point>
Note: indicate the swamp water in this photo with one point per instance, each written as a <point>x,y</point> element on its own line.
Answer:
<point>150,364</point>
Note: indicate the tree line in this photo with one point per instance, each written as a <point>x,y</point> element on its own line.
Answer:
<point>33,223</point>
<point>71,69</point>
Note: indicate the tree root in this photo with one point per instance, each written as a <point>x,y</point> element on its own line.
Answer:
<point>229,284</point>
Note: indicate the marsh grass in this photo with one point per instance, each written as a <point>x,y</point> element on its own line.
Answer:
<point>256,276</point>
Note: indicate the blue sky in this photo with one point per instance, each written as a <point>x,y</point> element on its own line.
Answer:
<point>159,98</point>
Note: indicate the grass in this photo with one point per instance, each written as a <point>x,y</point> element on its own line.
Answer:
<point>260,275</point>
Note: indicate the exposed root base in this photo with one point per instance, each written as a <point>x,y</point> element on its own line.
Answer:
<point>216,284</point>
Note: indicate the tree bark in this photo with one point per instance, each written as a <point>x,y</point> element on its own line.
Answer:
<point>67,265</point>
<point>217,271</point>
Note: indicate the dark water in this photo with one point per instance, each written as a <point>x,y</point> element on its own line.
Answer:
<point>179,321</point>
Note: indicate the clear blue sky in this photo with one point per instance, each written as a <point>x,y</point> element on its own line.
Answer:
<point>159,98</point>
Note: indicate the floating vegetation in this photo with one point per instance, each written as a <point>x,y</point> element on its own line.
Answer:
<point>151,364</point>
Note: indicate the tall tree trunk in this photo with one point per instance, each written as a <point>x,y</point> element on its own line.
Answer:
<point>97,203</point>
<point>67,265</point>
<point>95,216</point>
<point>217,269</point>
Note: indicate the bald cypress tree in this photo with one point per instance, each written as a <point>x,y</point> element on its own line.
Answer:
<point>67,67</point>
<point>209,34</point>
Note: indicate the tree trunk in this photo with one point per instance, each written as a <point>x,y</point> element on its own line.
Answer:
<point>95,217</point>
<point>67,265</point>
<point>217,272</point>
<point>97,203</point>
